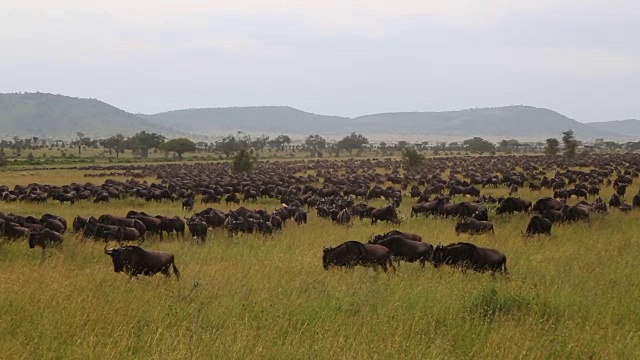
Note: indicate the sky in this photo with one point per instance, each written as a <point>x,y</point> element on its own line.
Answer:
<point>335,57</point>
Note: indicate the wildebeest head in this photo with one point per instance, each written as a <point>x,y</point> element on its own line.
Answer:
<point>116,257</point>
<point>325,260</point>
<point>36,240</point>
<point>438,255</point>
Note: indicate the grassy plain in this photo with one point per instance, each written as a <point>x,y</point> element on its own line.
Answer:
<point>572,295</point>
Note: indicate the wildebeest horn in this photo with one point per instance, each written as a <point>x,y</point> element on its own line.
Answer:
<point>107,251</point>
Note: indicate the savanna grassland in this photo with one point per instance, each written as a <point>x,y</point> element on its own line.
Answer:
<point>572,295</point>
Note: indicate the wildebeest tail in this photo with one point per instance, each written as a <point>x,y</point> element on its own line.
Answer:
<point>504,267</point>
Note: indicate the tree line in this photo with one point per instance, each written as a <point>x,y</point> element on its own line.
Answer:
<point>143,142</point>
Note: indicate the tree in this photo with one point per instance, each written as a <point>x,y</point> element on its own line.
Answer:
<point>478,145</point>
<point>179,146</point>
<point>412,158</point>
<point>279,142</point>
<point>570,144</point>
<point>352,141</point>
<point>3,158</point>
<point>315,143</point>
<point>230,145</point>
<point>144,141</point>
<point>260,142</point>
<point>243,161</point>
<point>552,147</point>
<point>115,143</point>
<point>401,145</point>
<point>80,141</point>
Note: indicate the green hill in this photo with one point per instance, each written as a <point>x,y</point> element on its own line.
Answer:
<point>260,119</point>
<point>49,115</point>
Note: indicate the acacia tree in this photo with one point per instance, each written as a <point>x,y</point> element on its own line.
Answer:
<point>279,142</point>
<point>243,161</point>
<point>570,144</point>
<point>478,145</point>
<point>82,140</point>
<point>179,146</point>
<point>352,141</point>
<point>315,143</point>
<point>552,146</point>
<point>115,143</point>
<point>412,158</point>
<point>144,141</point>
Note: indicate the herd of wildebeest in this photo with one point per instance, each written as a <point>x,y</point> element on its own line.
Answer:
<point>337,191</point>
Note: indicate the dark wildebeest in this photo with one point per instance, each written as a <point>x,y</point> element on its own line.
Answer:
<point>386,213</point>
<point>406,235</point>
<point>407,250</point>
<point>44,238</point>
<point>512,204</point>
<point>123,233</point>
<point>198,228</point>
<point>473,227</point>
<point>538,225</point>
<point>231,198</point>
<point>545,203</point>
<point>188,203</point>
<point>347,254</point>
<point>133,261</point>
<point>615,201</point>
<point>352,253</point>
<point>468,256</point>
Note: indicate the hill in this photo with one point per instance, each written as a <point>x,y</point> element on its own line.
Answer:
<point>49,115</point>
<point>506,122</point>
<point>509,121</point>
<point>256,119</point>
<point>630,127</point>
<point>58,116</point>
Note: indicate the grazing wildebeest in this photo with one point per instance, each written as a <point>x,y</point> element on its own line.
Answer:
<point>133,261</point>
<point>407,250</point>
<point>347,254</point>
<point>539,225</point>
<point>468,256</point>
<point>406,235</point>
<point>473,226</point>
<point>123,233</point>
<point>231,198</point>
<point>352,253</point>
<point>44,238</point>
<point>511,205</point>
<point>386,213</point>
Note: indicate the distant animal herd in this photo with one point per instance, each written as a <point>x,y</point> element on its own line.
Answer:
<point>335,191</point>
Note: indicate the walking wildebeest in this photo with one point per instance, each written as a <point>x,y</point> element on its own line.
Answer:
<point>468,256</point>
<point>133,261</point>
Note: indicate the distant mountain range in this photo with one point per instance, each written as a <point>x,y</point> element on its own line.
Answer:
<point>48,115</point>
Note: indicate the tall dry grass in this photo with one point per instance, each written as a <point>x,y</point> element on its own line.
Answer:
<point>573,295</point>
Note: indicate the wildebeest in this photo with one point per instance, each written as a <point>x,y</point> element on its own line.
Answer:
<point>468,256</point>
<point>407,250</point>
<point>473,226</point>
<point>539,225</point>
<point>512,204</point>
<point>413,237</point>
<point>198,228</point>
<point>44,239</point>
<point>347,254</point>
<point>133,261</point>
<point>188,203</point>
<point>386,213</point>
<point>352,253</point>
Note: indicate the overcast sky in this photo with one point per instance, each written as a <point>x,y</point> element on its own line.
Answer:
<point>578,57</point>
